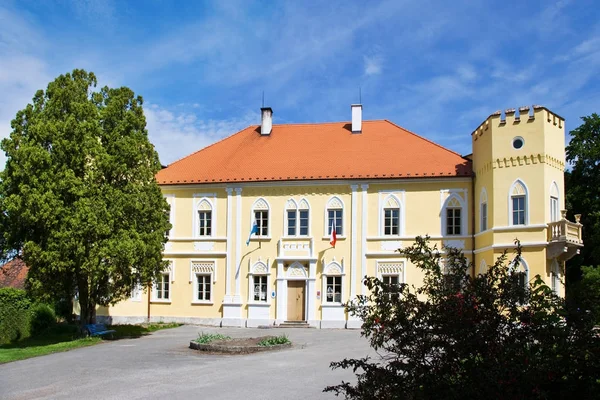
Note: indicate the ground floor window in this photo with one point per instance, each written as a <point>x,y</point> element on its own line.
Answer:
<point>334,289</point>
<point>391,284</point>
<point>203,287</point>
<point>162,289</point>
<point>260,288</point>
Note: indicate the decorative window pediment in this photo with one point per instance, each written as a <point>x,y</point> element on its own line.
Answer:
<point>203,267</point>
<point>260,204</point>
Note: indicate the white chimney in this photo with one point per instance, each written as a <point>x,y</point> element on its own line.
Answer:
<point>356,118</point>
<point>266,123</point>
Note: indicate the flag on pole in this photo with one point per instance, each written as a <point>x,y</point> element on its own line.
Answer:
<point>333,235</point>
<point>253,230</point>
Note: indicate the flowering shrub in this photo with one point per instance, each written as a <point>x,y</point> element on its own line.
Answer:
<point>470,337</point>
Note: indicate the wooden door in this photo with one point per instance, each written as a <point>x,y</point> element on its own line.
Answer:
<point>296,300</point>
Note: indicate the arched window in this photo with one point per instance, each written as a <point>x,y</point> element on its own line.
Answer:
<point>297,218</point>
<point>483,210</point>
<point>453,216</point>
<point>554,204</point>
<point>521,273</point>
<point>260,215</point>
<point>335,216</point>
<point>205,218</point>
<point>333,283</point>
<point>482,267</point>
<point>391,216</point>
<point>259,283</point>
<point>518,203</point>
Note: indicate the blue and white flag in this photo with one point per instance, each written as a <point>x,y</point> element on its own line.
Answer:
<point>253,230</point>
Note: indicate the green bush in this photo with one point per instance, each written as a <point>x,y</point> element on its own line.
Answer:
<point>204,338</point>
<point>274,341</point>
<point>14,314</point>
<point>42,318</point>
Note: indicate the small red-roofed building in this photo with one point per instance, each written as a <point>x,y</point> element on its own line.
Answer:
<point>13,274</point>
<point>252,215</point>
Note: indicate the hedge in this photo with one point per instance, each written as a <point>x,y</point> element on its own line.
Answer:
<point>14,315</point>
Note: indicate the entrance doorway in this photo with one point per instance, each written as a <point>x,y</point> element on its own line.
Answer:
<point>296,300</point>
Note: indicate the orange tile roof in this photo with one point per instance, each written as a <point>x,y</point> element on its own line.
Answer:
<point>317,151</point>
<point>13,274</point>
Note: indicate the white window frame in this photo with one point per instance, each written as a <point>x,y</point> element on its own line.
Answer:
<point>259,268</point>
<point>555,276</point>
<point>483,216</point>
<point>333,269</point>
<point>463,217</point>
<point>210,199</point>
<point>261,204</point>
<point>203,267</point>
<point>331,205</point>
<point>511,194</point>
<point>389,268</point>
<point>388,205</point>
<point>296,207</point>
<point>523,267</point>
<point>554,202</point>
<point>136,293</point>
<point>196,292</point>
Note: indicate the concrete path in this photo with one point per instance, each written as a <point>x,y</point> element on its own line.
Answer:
<point>161,366</point>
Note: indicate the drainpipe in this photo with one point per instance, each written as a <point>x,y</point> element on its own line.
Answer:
<point>149,290</point>
<point>473,225</point>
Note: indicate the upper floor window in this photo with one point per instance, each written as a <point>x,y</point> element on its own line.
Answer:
<point>170,198</point>
<point>204,218</point>
<point>260,211</point>
<point>554,206</point>
<point>453,217</point>
<point>391,216</point>
<point>483,211</point>
<point>335,216</point>
<point>297,218</point>
<point>518,203</point>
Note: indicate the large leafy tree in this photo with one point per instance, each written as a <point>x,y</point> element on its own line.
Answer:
<point>79,193</point>
<point>461,337</point>
<point>582,185</point>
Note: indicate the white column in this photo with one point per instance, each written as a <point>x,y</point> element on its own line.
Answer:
<point>281,295</point>
<point>365,214</point>
<point>238,240</point>
<point>311,293</point>
<point>353,243</point>
<point>227,298</point>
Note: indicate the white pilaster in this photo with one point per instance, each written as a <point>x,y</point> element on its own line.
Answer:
<point>238,240</point>
<point>232,308</point>
<point>281,299</point>
<point>365,211</point>
<point>312,294</point>
<point>227,298</point>
<point>353,243</point>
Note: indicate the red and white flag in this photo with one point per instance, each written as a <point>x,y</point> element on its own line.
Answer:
<point>333,235</point>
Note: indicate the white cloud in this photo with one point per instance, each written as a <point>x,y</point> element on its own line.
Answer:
<point>372,65</point>
<point>178,134</point>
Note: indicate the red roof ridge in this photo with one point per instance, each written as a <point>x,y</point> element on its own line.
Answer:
<point>424,138</point>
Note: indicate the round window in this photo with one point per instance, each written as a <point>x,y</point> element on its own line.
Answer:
<point>518,142</point>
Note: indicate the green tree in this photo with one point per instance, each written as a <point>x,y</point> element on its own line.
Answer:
<point>462,337</point>
<point>582,183</point>
<point>79,193</point>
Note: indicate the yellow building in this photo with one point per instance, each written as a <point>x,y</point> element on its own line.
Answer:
<point>253,215</point>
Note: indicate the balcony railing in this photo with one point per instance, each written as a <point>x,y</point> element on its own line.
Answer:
<point>564,231</point>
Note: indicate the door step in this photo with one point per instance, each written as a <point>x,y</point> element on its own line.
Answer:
<point>294,324</point>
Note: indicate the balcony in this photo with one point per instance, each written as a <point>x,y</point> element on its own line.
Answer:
<point>295,247</point>
<point>564,238</point>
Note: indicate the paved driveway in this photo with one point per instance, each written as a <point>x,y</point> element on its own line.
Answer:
<point>161,366</point>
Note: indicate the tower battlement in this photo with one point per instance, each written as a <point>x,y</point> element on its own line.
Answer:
<point>516,116</point>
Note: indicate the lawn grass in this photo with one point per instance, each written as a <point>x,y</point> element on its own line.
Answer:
<point>64,337</point>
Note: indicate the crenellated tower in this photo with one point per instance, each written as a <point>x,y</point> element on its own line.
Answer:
<point>519,163</point>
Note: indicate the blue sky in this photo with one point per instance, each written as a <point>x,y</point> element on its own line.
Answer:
<point>438,68</point>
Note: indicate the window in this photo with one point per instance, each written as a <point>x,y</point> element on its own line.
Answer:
<point>297,218</point>
<point>391,221</point>
<point>518,204</point>
<point>170,198</point>
<point>555,277</point>
<point>334,289</point>
<point>335,213</point>
<point>520,274</point>
<point>204,223</point>
<point>452,216</point>
<point>262,220</point>
<point>162,288</point>
<point>518,142</point>
<point>518,210</point>
<point>554,211</point>
<point>391,284</point>
<point>483,211</point>
<point>453,221</point>
<point>483,217</point>
<point>203,287</point>
<point>260,288</point>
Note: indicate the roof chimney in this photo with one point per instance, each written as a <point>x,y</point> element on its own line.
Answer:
<point>266,123</point>
<point>356,118</point>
